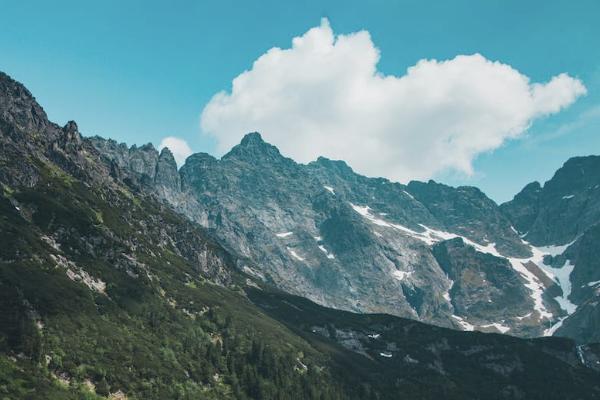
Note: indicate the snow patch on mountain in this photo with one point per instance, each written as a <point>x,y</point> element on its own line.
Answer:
<point>534,284</point>
<point>553,250</point>
<point>501,328</point>
<point>327,253</point>
<point>561,275</point>
<point>563,278</point>
<point>400,275</point>
<point>446,296</point>
<point>550,331</point>
<point>466,326</point>
<point>524,316</point>
<point>365,211</point>
<point>253,272</point>
<point>429,236</point>
<point>294,254</point>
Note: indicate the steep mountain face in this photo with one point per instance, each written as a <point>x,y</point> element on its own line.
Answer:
<point>562,217</point>
<point>524,207</point>
<point>362,244</point>
<point>141,166</point>
<point>468,212</point>
<point>565,207</point>
<point>485,285</point>
<point>579,265</point>
<point>106,292</point>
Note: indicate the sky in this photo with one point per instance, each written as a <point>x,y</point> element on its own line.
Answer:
<point>493,94</point>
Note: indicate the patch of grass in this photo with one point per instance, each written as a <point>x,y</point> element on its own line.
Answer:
<point>7,191</point>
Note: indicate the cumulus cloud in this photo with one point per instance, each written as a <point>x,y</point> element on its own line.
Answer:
<point>325,96</point>
<point>179,147</point>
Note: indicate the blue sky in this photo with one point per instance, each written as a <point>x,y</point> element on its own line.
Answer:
<point>145,70</point>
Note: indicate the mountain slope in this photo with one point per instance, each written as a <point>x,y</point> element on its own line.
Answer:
<point>103,289</point>
<point>438,362</point>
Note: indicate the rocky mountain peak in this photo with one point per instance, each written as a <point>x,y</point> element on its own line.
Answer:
<point>562,209</point>
<point>166,171</point>
<point>71,126</point>
<point>191,171</point>
<point>531,189</point>
<point>13,89</point>
<point>19,109</point>
<point>197,159</point>
<point>166,154</point>
<point>143,159</point>
<point>524,207</point>
<point>337,166</point>
<point>252,139</point>
<point>148,147</point>
<point>575,174</point>
<point>71,133</point>
<point>253,148</point>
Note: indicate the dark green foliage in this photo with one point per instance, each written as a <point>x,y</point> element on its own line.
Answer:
<point>168,334</point>
<point>19,379</point>
<point>431,362</point>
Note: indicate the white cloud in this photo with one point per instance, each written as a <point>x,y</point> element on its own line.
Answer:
<point>179,147</point>
<point>324,96</point>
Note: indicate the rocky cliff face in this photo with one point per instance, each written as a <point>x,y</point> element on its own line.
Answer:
<point>562,218</point>
<point>36,152</point>
<point>565,207</point>
<point>523,209</point>
<point>367,244</point>
<point>484,285</point>
<point>469,212</point>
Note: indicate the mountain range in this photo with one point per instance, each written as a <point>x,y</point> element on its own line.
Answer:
<point>443,255</point>
<point>253,276</point>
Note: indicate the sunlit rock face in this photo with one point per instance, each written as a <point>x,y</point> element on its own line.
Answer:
<point>424,250</point>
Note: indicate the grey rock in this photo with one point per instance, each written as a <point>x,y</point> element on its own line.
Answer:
<point>566,211</point>
<point>166,175</point>
<point>300,227</point>
<point>469,212</point>
<point>564,208</point>
<point>524,207</point>
<point>485,287</point>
